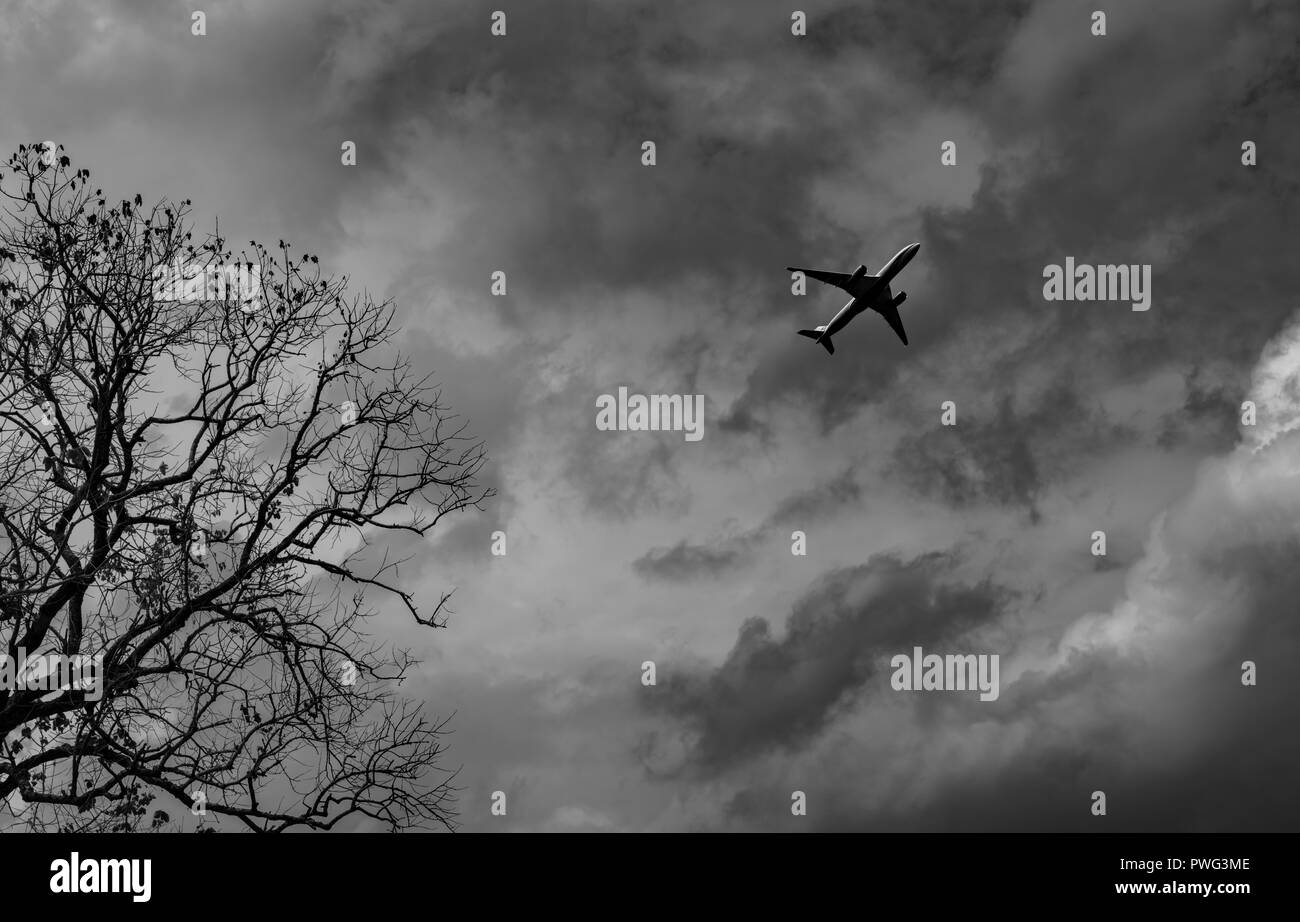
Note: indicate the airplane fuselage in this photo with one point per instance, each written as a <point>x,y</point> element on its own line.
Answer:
<point>867,290</point>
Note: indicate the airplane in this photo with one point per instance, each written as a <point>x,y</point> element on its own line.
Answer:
<point>868,291</point>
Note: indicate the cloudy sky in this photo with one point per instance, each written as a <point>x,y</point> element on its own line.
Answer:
<point>522,153</point>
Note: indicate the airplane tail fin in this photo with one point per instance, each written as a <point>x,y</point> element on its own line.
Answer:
<point>817,335</point>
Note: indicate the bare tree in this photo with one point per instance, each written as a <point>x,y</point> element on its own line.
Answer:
<point>195,485</point>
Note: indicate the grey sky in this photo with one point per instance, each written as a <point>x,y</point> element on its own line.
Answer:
<point>522,153</point>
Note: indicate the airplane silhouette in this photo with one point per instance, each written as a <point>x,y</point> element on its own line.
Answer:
<point>868,291</point>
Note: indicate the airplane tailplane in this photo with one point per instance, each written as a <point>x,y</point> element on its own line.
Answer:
<point>817,335</point>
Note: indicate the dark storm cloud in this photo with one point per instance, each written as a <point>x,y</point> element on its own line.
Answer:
<point>979,462</point>
<point>1000,459</point>
<point>1240,736</point>
<point>1217,218</point>
<point>574,133</point>
<point>1113,160</point>
<point>1123,149</point>
<point>688,561</point>
<point>951,48</point>
<point>1119,158</point>
<point>816,502</point>
<point>631,226</point>
<point>836,391</point>
<point>685,561</point>
<point>729,199</point>
<point>773,692</point>
<point>621,480</point>
<point>1209,416</point>
<point>1105,563</point>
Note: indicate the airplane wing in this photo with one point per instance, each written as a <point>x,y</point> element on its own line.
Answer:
<point>838,279</point>
<point>890,313</point>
